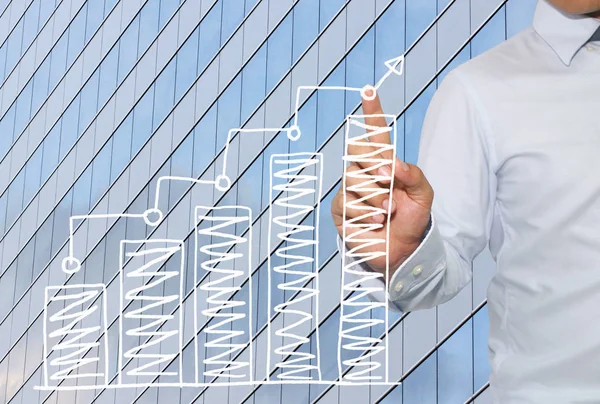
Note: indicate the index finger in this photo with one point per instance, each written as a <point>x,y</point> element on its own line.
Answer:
<point>376,123</point>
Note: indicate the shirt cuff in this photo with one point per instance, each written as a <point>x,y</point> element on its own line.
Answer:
<point>420,266</point>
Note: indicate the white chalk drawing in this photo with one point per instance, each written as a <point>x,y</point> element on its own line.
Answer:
<point>298,178</point>
<point>141,282</point>
<point>364,352</point>
<point>213,246</point>
<point>150,337</point>
<point>74,342</point>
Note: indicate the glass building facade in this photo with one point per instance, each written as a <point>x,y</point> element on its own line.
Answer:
<point>101,98</point>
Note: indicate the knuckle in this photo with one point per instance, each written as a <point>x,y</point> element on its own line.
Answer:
<point>336,202</point>
<point>418,171</point>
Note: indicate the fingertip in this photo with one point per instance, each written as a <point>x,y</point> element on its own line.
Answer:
<point>379,218</point>
<point>368,93</point>
<point>401,168</point>
<point>404,166</point>
<point>385,172</point>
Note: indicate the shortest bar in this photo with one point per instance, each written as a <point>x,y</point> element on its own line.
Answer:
<point>75,351</point>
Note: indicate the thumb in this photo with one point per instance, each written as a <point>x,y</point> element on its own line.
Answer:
<point>411,178</point>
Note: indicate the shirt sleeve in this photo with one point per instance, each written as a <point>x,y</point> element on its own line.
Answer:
<point>455,154</point>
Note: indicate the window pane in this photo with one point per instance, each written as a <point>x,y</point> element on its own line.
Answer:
<point>13,48</point>
<point>187,65</point>
<point>15,198</point>
<point>58,60</point>
<point>51,151</point>
<point>328,10</point>
<point>95,9</point>
<point>420,386</point>
<point>233,14</point>
<point>331,106</point>
<point>253,82</point>
<point>101,175</point>
<point>481,362</point>
<point>164,94</point>
<point>229,111</point>
<point>455,366</point>
<point>76,36</point>
<point>128,47</point>
<point>23,110</point>
<point>108,75</point>
<point>7,125</point>
<point>70,122</point>
<point>32,175</point>
<point>89,101</point>
<point>40,85</point>
<point>279,52</point>
<point>81,192</point>
<point>142,120</point>
<point>31,24</point>
<point>210,31</point>
<point>306,26</point>
<point>166,10</point>
<point>121,148</point>
<point>148,24</point>
<point>205,135</point>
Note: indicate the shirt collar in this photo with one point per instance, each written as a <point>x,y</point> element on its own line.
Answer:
<point>564,33</point>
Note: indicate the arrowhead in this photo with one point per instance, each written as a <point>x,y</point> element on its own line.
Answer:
<point>396,65</point>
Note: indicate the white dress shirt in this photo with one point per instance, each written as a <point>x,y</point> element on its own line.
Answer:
<point>511,146</point>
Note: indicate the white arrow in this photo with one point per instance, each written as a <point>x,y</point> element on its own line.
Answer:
<point>395,66</point>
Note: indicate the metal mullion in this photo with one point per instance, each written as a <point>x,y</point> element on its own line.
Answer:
<point>17,23</point>
<point>50,93</point>
<point>478,393</point>
<point>19,92</point>
<point>33,41</point>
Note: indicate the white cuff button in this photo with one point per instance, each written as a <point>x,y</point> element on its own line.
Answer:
<point>398,287</point>
<point>417,270</point>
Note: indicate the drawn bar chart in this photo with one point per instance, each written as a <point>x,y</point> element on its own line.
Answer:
<point>151,275</point>
<point>298,178</point>
<point>73,350</point>
<point>222,250</point>
<point>361,349</point>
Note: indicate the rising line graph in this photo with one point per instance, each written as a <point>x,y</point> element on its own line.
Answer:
<point>297,178</point>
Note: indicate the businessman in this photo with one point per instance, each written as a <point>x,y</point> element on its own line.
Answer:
<point>509,157</point>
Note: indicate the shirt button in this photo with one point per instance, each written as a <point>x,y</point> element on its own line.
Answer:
<point>398,286</point>
<point>417,270</point>
<point>589,48</point>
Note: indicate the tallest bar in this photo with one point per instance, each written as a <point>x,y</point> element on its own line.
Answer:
<point>362,344</point>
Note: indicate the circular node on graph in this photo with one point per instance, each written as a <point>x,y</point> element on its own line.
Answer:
<point>153,217</point>
<point>294,133</point>
<point>70,265</point>
<point>223,183</point>
<point>368,93</point>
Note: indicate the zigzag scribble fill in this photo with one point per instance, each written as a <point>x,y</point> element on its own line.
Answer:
<point>299,191</point>
<point>358,348</point>
<point>226,324</point>
<point>73,347</point>
<point>152,279</point>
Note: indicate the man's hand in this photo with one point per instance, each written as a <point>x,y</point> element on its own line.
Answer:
<point>412,197</point>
